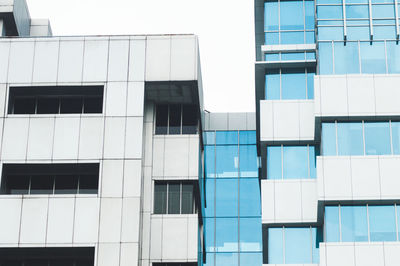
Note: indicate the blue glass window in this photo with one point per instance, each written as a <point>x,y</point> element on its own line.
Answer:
<point>248,161</point>
<point>332,224</point>
<point>271,19</point>
<point>249,201</point>
<point>250,234</point>
<point>293,84</point>
<point>227,191</point>
<point>357,33</point>
<point>373,59</point>
<point>210,197</point>
<point>350,138</point>
<point>384,32</point>
<point>226,233</point>
<point>226,259</point>
<point>227,161</point>
<point>328,139</point>
<point>357,11</point>
<point>292,245</point>
<point>325,58</point>
<point>393,49</point>
<point>292,37</point>
<point>331,33</point>
<point>209,234</point>
<point>291,15</point>
<point>383,11</point>
<point>346,58</point>
<point>275,245</point>
<point>209,138</point>
<point>271,38</point>
<point>317,237</point>
<point>329,12</point>
<point>226,137</point>
<point>309,13</point>
<point>209,154</point>
<point>354,223</point>
<point>298,162</point>
<point>382,223</point>
<point>274,162</point>
<point>273,85</point>
<point>396,137</point>
<point>247,137</point>
<point>272,57</point>
<point>293,56</point>
<point>377,138</point>
<point>250,259</point>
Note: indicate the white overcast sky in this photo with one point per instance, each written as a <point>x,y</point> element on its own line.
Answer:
<point>225,29</point>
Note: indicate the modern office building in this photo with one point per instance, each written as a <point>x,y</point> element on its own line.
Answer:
<point>328,124</point>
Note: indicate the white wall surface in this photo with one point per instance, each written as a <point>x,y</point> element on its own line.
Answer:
<point>357,95</point>
<point>358,177</point>
<point>286,120</point>
<point>289,201</point>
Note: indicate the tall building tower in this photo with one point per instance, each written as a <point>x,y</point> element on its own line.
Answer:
<point>327,86</point>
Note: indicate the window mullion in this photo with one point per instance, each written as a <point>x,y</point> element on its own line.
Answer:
<point>363,131</point>
<point>344,20</point>
<point>371,28</point>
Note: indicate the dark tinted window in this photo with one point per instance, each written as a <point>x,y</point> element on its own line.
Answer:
<point>56,100</point>
<point>174,197</point>
<point>189,119</point>
<point>176,119</point>
<point>50,178</point>
<point>162,119</point>
<point>175,116</point>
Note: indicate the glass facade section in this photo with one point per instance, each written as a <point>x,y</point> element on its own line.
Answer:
<point>291,162</point>
<point>292,56</point>
<point>293,245</point>
<point>363,223</point>
<point>359,57</point>
<point>289,84</point>
<point>233,230</point>
<point>289,22</point>
<point>357,17</point>
<point>360,138</point>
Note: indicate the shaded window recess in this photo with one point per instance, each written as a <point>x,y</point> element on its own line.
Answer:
<point>31,179</point>
<point>176,119</point>
<point>174,197</point>
<point>176,264</point>
<point>77,256</point>
<point>56,100</point>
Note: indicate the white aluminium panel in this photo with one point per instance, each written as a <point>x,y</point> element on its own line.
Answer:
<point>108,254</point>
<point>333,95</point>
<point>137,57</point>
<point>392,253</point>
<point>183,58</point>
<point>135,99</point>
<point>10,221</point>
<point>66,138</point>
<point>389,168</point>
<point>336,178</point>
<point>60,220</point>
<point>86,220</point>
<point>134,138</point>
<point>156,239</point>
<point>342,254</point>
<point>3,99</point>
<point>268,201</point>
<point>369,254</point>
<point>286,120</point>
<point>176,160</point>
<point>129,254</point>
<point>21,61</point>
<point>4,55</point>
<point>70,63</point>
<point>132,178</point>
<point>174,238</point>
<point>365,177</point>
<point>361,94</point>
<point>130,220</point>
<point>15,138</point>
<point>95,60</point>
<point>288,200</point>
<point>34,221</point>
<point>46,61</point>
<point>193,232</point>
<point>110,220</point>
<point>40,141</point>
<point>112,178</point>
<point>114,138</point>
<point>91,137</point>
<point>193,157</point>
<point>118,58</point>
<point>116,98</point>
<point>158,58</point>
<point>387,93</point>
<point>158,155</point>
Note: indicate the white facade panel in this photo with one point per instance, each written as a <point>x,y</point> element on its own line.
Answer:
<point>70,62</point>
<point>135,99</point>
<point>40,140</point>
<point>4,56</point>
<point>114,138</point>
<point>110,220</point>
<point>118,60</point>
<point>116,98</point>
<point>156,238</point>
<point>392,253</point>
<point>45,64</point>
<point>21,61</point>
<point>129,254</point>
<point>95,60</point>
<point>86,222</point>
<point>66,138</point>
<point>174,238</point>
<point>130,220</point>
<point>333,93</point>
<point>365,177</point>
<point>91,138</point>
<point>34,221</point>
<point>112,178</point>
<point>361,94</point>
<point>336,254</point>
<point>11,220</point>
<point>15,138</point>
<point>132,178</point>
<point>60,220</point>
<point>386,94</point>
<point>183,58</point>
<point>176,160</point>
<point>389,168</point>
<point>108,254</point>
<point>137,60</point>
<point>158,58</point>
<point>134,137</point>
<point>288,201</point>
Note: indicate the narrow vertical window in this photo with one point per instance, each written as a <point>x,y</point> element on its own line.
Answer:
<point>162,119</point>
<point>174,192</point>
<point>187,198</point>
<point>189,119</point>
<point>175,113</point>
<point>160,198</point>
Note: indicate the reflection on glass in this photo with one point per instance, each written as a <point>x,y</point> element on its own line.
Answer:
<point>328,139</point>
<point>377,138</point>
<point>227,161</point>
<point>250,259</point>
<point>350,138</point>
<point>346,58</point>
<point>332,224</point>
<point>227,192</point>
<point>250,234</point>
<point>274,162</point>
<point>295,162</point>
<point>226,233</point>
<point>249,197</point>
<point>373,59</point>
<point>226,137</point>
<point>297,245</point>
<point>382,223</point>
<point>354,223</point>
<point>226,259</point>
<point>293,84</point>
<point>275,245</point>
<point>248,161</point>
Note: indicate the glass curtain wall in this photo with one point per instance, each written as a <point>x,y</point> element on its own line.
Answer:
<point>233,231</point>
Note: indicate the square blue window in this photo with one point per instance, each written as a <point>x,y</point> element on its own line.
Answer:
<point>350,138</point>
<point>295,162</point>
<point>297,245</point>
<point>271,38</point>
<point>227,235</point>
<point>357,33</point>
<point>227,161</point>
<point>373,58</point>
<point>385,33</point>
<point>249,197</point>
<point>383,11</point>
<point>377,138</point>
<point>227,197</point>
<point>251,259</point>
<point>292,37</point>
<point>272,57</point>
<point>227,137</point>
<point>250,235</point>
<point>293,56</point>
<point>247,137</point>
<point>291,15</point>
<point>346,58</point>
<point>227,259</point>
<point>293,84</point>
<point>330,33</point>
<point>357,11</point>
<point>329,12</point>
<point>382,223</point>
<point>354,223</point>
